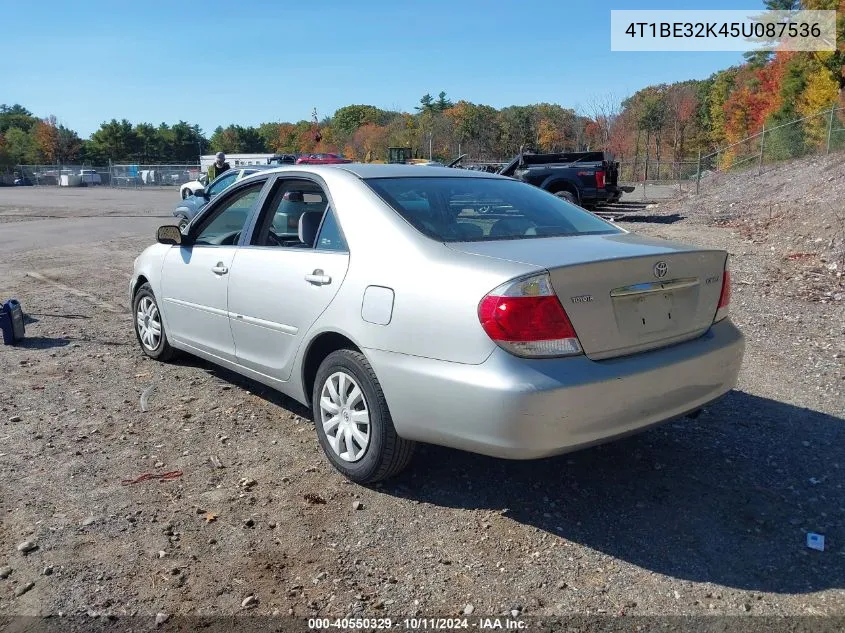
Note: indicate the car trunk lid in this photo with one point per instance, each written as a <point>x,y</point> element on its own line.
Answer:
<point>623,293</point>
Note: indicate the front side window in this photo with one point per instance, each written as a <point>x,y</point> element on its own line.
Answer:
<point>225,223</point>
<point>451,209</point>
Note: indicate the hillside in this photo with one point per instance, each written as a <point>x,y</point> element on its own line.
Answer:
<point>796,209</point>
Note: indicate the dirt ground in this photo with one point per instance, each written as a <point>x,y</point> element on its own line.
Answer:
<point>698,517</point>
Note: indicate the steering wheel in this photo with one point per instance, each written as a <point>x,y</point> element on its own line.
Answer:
<point>231,240</point>
<point>273,239</point>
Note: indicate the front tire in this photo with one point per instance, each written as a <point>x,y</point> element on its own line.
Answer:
<point>568,196</point>
<point>186,193</point>
<point>353,422</point>
<point>149,328</point>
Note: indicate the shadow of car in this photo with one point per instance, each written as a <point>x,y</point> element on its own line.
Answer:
<point>726,498</point>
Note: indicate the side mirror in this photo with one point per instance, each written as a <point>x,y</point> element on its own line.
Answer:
<point>169,234</point>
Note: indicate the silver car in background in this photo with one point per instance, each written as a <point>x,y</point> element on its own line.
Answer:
<point>384,298</point>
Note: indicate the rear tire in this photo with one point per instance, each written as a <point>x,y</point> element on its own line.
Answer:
<point>186,193</point>
<point>568,196</point>
<point>353,422</point>
<point>149,326</point>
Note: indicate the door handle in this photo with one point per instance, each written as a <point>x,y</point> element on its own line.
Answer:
<point>318,278</point>
<point>219,269</point>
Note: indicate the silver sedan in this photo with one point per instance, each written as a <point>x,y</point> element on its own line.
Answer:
<point>444,306</point>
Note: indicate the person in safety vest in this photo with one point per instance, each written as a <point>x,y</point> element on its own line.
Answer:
<point>218,166</point>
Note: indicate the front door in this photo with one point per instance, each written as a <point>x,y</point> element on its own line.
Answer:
<point>195,277</point>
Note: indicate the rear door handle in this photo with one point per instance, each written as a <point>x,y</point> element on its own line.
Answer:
<point>219,269</point>
<point>318,278</point>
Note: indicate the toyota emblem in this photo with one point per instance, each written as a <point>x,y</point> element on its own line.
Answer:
<point>660,269</point>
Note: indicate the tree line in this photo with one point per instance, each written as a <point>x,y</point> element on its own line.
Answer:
<point>362,132</point>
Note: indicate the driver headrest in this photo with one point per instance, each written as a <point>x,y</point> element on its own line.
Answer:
<point>294,196</point>
<point>309,224</point>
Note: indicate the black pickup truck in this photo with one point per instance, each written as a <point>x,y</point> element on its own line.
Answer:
<point>585,178</point>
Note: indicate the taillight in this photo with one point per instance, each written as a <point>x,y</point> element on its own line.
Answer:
<point>725,296</point>
<point>600,179</point>
<point>524,317</point>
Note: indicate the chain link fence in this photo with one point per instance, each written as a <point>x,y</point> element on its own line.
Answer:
<point>814,135</point>
<point>133,176</point>
<point>818,134</point>
<point>138,176</point>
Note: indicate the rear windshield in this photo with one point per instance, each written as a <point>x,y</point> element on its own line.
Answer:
<point>481,209</point>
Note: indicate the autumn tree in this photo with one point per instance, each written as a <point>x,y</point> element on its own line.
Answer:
<point>474,127</point>
<point>46,136</point>
<point>820,93</point>
<point>370,142</point>
<point>603,111</point>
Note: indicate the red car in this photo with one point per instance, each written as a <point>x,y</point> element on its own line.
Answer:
<point>322,159</point>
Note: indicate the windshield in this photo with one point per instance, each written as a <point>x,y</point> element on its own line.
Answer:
<point>481,209</point>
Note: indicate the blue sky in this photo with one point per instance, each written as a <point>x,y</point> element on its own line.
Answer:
<point>215,63</point>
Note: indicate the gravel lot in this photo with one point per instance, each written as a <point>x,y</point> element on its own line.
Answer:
<point>705,516</point>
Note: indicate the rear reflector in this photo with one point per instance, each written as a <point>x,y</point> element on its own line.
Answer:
<point>725,297</point>
<point>525,318</point>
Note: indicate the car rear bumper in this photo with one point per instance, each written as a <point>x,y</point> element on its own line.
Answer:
<point>523,409</point>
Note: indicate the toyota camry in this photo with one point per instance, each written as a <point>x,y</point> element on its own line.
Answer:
<point>383,298</point>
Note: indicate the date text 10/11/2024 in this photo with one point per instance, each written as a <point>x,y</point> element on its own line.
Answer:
<point>418,624</point>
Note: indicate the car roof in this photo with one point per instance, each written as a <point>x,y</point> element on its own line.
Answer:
<point>379,170</point>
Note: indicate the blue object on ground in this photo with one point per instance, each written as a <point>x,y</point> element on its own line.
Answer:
<point>11,322</point>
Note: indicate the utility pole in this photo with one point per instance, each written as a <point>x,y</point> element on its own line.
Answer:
<point>430,135</point>
<point>830,128</point>
<point>698,174</point>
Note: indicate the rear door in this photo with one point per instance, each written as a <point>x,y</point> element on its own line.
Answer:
<point>279,284</point>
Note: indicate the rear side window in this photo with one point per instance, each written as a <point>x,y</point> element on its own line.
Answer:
<point>289,201</point>
<point>482,209</point>
<point>330,238</point>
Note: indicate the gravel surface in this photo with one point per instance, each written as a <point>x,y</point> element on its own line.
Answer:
<point>705,516</point>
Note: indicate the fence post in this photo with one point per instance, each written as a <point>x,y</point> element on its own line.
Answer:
<point>762,143</point>
<point>698,174</point>
<point>830,128</point>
